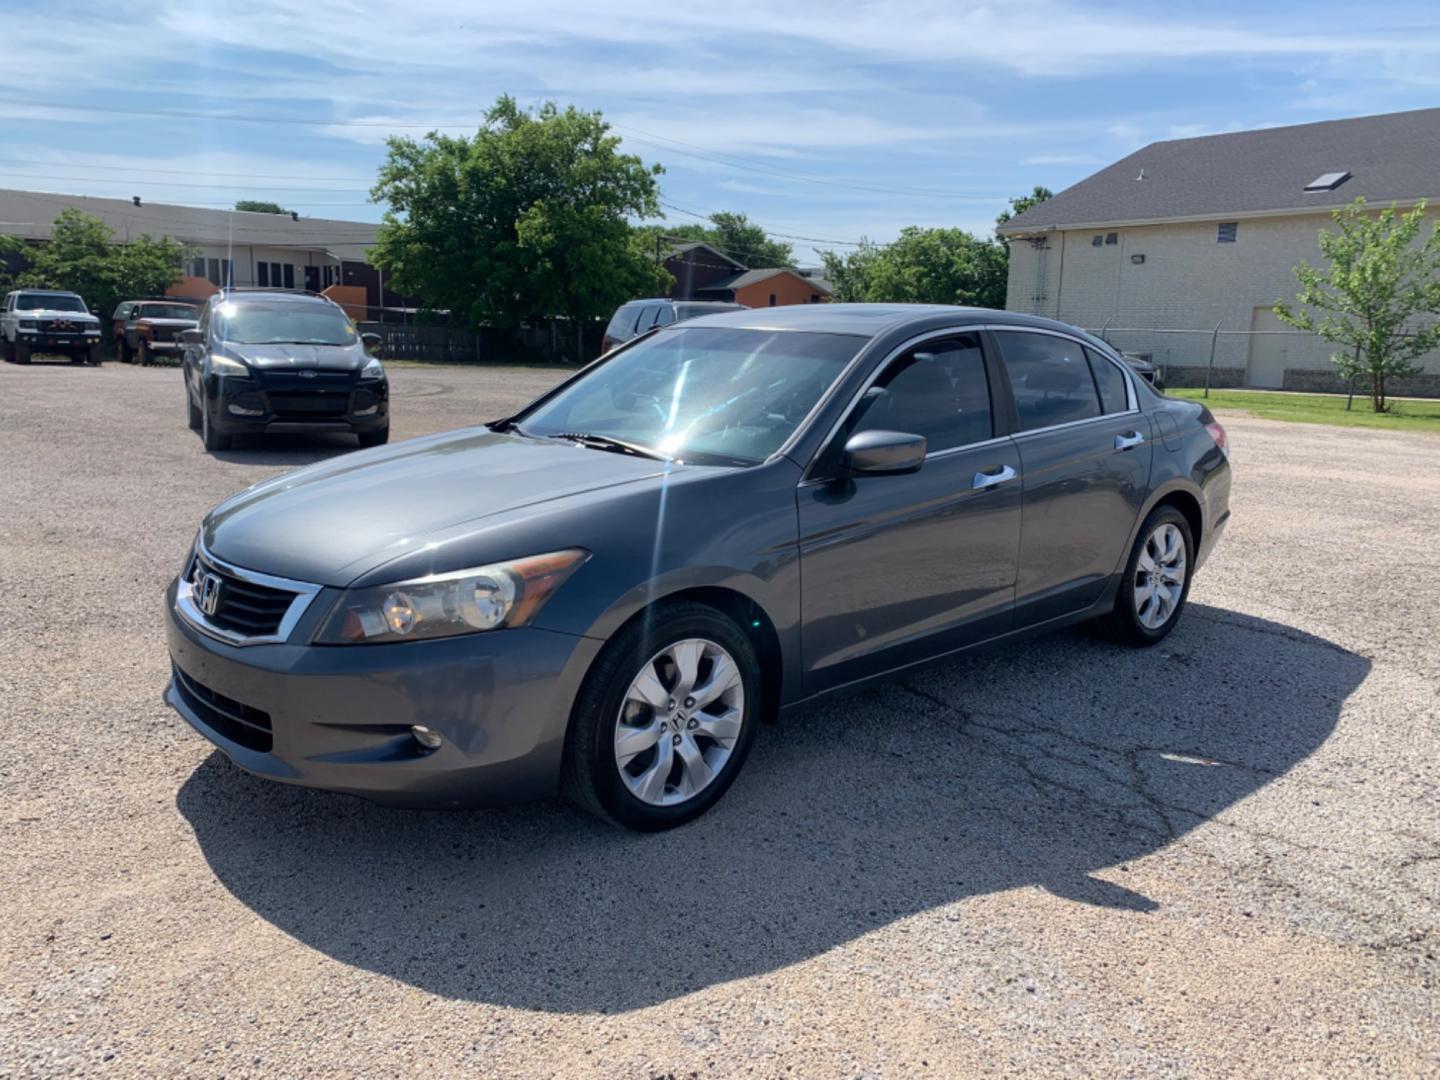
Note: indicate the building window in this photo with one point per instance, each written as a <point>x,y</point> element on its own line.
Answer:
<point>1225,234</point>
<point>289,275</point>
<point>1111,238</point>
<point>1097,240</point>
<point>814,298</point>
<point>197,268</point>
<point>772,299</point>
<point>262,274</point>
<point>214,275</point>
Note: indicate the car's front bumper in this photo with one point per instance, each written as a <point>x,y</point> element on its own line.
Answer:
<point>339,717</point>
<point>280,402</point>
<point>39,340</point>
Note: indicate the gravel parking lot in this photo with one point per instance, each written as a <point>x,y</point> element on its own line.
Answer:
<point>1218,857</point>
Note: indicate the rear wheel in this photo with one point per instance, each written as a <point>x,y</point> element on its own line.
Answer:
<point>212,439</point>
<point>1157,580</point>
<point>664,720</point>
<point>374,438</point>
<point>192,412</point>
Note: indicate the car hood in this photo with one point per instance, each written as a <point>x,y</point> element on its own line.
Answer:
<point>330,523</point>
<point>286,357</point>
<point>46,313</point>
<point>148,321</point>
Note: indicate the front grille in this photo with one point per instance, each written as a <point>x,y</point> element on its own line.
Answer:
<point>61,326</point>
<point>243,607</point>
<point>316,404</point>
<point>225,716</point>
<point>163,333</point>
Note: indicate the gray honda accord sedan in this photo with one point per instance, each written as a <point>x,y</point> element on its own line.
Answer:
<point>607,593</point>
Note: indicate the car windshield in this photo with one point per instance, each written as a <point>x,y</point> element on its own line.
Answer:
<point>285,323</point>
<point>166,311</point>
<point>710,395</point>
<point>48,302</point>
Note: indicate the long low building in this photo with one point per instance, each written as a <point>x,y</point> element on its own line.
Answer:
<point>230,247</point>
<point>1188,235</point>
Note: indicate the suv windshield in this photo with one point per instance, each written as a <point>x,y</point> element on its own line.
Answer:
<point>287,323</point>
<point>166,311</point>
<point>48,302</point>
<point>707,395</point>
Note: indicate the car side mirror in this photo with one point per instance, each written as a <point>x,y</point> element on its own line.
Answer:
<point>192,337</point>
<point>370,340</point>
<point>883,453</point>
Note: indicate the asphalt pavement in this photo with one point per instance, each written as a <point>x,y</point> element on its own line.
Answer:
<point>1218,857</point>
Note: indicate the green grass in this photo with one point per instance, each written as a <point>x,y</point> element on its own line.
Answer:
<point>1407,415</point>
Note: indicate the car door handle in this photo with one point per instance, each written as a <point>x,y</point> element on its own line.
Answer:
<point>986,480</point>
<point>1128,440</point>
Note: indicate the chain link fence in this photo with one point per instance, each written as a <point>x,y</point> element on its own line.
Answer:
<point>1259,359</point>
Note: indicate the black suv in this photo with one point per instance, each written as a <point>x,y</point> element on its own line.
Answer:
<point>281,361</point>
<point>641,316</point>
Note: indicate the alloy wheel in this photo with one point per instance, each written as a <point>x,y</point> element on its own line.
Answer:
<point>679,722</point>
<point>1160,576</point>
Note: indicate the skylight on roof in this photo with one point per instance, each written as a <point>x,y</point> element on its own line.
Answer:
<point>1328,181</point>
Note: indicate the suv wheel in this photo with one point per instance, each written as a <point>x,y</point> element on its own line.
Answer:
<point>1157,580</point>
<point>212,439</point>
<point>664,720</point>
<point>192,412</point>
<point>374,438</point>
<point>21,352</point>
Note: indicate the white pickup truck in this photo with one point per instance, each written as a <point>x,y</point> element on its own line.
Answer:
<point>43,321</point>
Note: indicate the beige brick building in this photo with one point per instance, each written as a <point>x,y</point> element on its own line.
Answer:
<point>1189,234</point>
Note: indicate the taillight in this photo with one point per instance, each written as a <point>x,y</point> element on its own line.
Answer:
<point>1217,432</point>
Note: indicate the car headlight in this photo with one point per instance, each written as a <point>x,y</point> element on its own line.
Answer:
<point>373,369</point>
<point>501,595</point>
<point>29,324</point>
<point>223,365</point>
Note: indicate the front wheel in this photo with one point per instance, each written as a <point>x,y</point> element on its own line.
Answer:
<point>1157,580</point>
<point>664,720</point>
<point>21,352</point>
<point>374,438</point>
<point>213,440</point>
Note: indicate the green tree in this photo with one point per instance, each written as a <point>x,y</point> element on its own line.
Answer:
<point>1373,296</point>
<point>258,206</point>
<point>82,257</point>
<point>923,266</point>
<point>1019,206</point>
<point>526,220</point>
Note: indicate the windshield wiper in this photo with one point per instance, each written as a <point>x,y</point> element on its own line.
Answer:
<point>614,446</point>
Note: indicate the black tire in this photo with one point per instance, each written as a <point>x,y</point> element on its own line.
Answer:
<point>21,352</point>
<point>1124,623</point>
<point>192,412</point>
<point>590,777</point>
<point>127,355</point>
<point>143,355</point>
<point>374,438</point>
<point>94,356</point>
<point>9,349</point>
<point>213,440</point>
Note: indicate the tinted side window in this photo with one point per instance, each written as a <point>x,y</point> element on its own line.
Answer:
<point>621,323</point>
<point>939,391</point>
<point>1109,381</point>
<point>1050,379</point>
<point>665,316</point>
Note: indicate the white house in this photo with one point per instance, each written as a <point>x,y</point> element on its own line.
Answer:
<point>237,248</point>
<point>1191,234</point>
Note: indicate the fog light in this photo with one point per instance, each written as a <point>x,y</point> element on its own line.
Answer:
<point>430,740</point>
<point>241,410</point>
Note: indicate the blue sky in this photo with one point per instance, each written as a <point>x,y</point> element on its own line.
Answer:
<point>834,120</point>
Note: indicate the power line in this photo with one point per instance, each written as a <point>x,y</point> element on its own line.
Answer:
<point>767,232</point>
<point>181,172</point>
<point>659,141</point>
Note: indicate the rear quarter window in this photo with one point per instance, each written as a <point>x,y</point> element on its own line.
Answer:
<point>1109,381</point>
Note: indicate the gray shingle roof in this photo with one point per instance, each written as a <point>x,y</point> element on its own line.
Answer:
<point>1393,158</point>
<point>29,215</point>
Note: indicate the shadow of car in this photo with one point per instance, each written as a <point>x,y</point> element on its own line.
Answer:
<point>1037,766</point>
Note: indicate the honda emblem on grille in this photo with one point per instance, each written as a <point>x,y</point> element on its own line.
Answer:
<point>209,594</point>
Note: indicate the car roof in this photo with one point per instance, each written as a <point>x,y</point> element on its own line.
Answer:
<point>270,297</point>
<point>868,320</point>
<point>45,292</point>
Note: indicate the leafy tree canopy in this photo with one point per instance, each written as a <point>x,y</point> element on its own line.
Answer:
<point>1375,295</point>
<point>81,256</point>
<point>528,219</point>
<point>258,206</point>
<point>1024,202</point>
<point>924,266</point>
